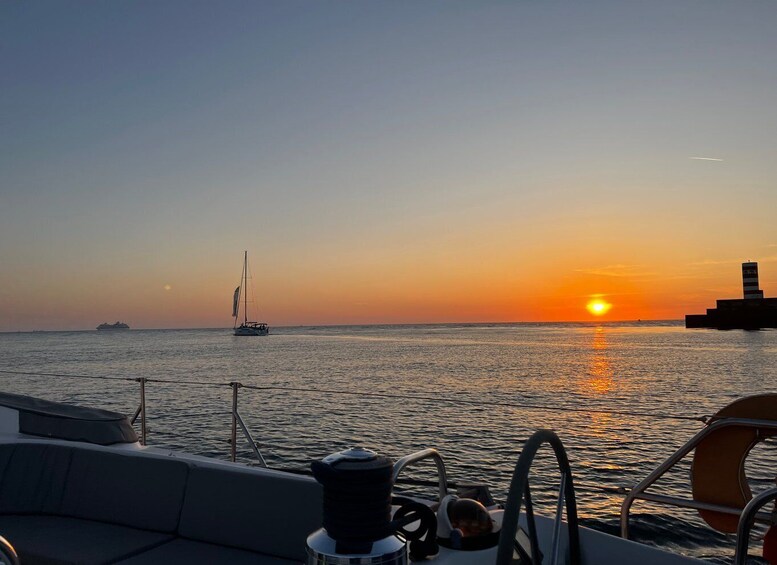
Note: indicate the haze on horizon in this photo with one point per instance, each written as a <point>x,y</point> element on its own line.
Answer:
<point>382,162</point>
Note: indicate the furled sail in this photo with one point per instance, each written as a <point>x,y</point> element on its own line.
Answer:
<point>235,302</point>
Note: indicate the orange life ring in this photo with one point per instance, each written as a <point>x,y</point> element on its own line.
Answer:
<point>770,546</point>
<point>718,471</point>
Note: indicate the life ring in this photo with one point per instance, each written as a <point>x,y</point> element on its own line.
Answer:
<point>770,546</point>
<point>718,470</point>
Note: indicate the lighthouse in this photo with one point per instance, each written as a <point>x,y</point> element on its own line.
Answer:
<point>750,280</point>
<point>751,312</point>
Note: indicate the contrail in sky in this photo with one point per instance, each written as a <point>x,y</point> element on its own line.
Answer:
<point>705,158</point>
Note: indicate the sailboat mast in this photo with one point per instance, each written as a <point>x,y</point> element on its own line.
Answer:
<point>245,288</point>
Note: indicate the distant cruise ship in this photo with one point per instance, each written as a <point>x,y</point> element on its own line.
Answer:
<point>116,326</point>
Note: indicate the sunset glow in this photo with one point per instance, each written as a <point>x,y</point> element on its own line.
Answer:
<point>598,307</point>
<point>477,177</point>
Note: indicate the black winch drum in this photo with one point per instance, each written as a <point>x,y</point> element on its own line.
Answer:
<point>357,527</point>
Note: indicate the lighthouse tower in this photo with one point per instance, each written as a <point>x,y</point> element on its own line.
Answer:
<point>752,312</point>
<point>750,280</point>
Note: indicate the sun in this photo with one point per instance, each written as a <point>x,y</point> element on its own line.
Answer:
<point>598,307</point>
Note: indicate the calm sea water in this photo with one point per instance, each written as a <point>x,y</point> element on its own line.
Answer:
<point>600,372</point>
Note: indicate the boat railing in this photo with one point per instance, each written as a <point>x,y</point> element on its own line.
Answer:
<point>751,513</point>
<point>428,453</point>
<point>140,417</point>
<point>747,519</point>
<point>8,555</point>
<point>520,493</point>
<point>237,419</point>
<point>638,492</point>
<point>141,412</point>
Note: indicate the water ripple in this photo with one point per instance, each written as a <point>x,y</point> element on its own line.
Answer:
<point>657,369</point>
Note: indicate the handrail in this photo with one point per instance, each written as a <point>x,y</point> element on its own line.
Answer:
<point>8,554</point>
<point>428,453</point>
<point>746,520</point>
<point>143,430</point>
<point>519,488</point>
<point>638,491</point>
<point>419,397</point>
<point>237,420</point>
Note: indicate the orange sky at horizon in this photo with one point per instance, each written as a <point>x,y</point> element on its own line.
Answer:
<point>196,297</point>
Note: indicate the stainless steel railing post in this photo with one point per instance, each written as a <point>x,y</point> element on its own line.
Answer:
<point>238,420</point>
<point>135,415</point>
<point>638,492</point>
<point>556,545</point>
<point>746,521</point>
<point>141,410</point>
<point>233,438</point>
<point>250,440</point>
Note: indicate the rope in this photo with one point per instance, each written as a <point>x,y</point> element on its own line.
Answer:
<point>404,397</point>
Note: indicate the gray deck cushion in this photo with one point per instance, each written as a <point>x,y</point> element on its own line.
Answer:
<point>133,491</point>
<point>186,552</point>
<point>65,421</point>
<point>273,515</point>
<point>55,540</point>
<point>34,478</point>
<point>5,456</point>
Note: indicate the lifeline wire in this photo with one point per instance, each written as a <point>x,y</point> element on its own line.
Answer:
<point>104,378</point>
<point>502,404</point>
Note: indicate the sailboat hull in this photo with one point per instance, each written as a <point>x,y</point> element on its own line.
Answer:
<point>251,330</point>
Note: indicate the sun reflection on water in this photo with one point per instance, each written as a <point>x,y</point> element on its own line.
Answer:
<point>599,380</point>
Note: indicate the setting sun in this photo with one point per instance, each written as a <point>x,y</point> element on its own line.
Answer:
<point>598,307</point>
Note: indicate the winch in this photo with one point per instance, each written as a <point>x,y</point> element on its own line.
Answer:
<point>357,526</point>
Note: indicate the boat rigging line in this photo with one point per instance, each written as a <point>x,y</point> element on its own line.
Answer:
<point>464,401</point>
<point>384,395</point>
<point>235,386</point>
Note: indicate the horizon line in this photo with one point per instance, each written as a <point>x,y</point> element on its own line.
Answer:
<point>526,322</point>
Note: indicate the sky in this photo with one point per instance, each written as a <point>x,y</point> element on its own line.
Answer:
<point>383,162</point>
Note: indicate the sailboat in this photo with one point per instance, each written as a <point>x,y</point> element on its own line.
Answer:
<point>246,327</point>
